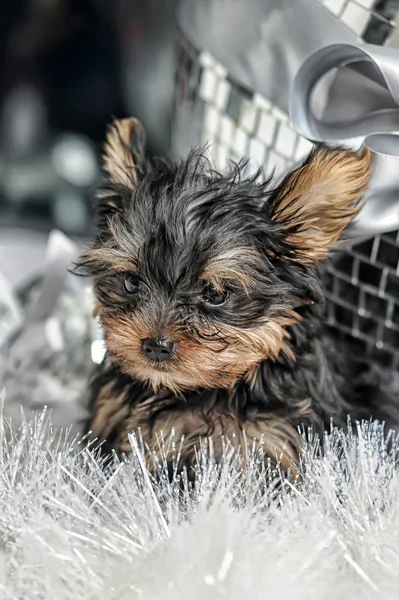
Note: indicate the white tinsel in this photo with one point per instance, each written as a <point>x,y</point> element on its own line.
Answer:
<point>71,530</point>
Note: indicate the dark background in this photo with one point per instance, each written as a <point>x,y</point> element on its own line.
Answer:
<point>67,67</point>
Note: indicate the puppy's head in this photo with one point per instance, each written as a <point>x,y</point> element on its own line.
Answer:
<point>199,275</point>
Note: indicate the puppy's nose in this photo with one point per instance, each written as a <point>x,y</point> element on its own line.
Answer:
<point>162,349</point>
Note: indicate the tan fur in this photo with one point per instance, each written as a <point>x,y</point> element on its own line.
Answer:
<point>109,411</point>
<point>212,362</point>
<point>233,266</point>
<point>114,259</point>
<point>279,439</point>
<point>121,159</point>
<point>96,310</point>
<point>320,199</point>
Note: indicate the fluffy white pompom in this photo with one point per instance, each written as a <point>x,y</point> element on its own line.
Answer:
<point>71,529</point>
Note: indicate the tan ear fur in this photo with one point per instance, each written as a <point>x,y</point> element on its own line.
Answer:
<point>319,199</point>
<point>124,151</point>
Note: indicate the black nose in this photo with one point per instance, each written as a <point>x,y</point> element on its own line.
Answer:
<point>158,350</point>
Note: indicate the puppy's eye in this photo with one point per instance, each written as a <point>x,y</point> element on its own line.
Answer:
<point>131,283</point>
<point>212,296</point>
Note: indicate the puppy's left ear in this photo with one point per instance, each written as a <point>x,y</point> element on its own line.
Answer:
<point>124,152</point>
<point>315,203</point>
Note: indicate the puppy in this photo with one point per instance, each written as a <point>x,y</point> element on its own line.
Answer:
<point>212,306</point>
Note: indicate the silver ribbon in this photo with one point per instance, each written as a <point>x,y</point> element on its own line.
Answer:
<point>262,43</point>
<point>286,50</point>
<point>362,108</point>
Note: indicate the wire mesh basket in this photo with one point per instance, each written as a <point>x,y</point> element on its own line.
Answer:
<point>362,283</point>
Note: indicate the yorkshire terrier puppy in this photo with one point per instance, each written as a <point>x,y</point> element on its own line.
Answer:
<point>212,306</point>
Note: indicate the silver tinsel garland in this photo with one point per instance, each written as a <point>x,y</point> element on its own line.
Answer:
<point>70,528</point>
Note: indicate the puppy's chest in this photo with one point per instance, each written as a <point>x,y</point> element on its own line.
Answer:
<point>121,405</point>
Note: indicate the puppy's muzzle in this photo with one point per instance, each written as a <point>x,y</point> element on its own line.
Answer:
<point>158,350</point>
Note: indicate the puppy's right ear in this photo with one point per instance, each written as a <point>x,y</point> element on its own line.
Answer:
<point>124,152</point>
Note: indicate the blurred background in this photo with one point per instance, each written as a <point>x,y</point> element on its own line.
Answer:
<point>67,67</point>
